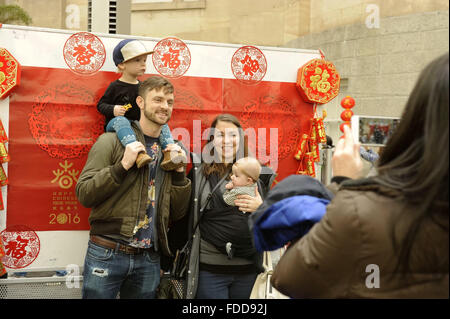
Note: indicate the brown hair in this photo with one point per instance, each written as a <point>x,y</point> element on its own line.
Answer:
<point>415,159</point>
<point>155,82</point>
<point>217,167</point>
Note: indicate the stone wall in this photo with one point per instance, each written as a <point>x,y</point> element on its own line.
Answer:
<point>379,66</point>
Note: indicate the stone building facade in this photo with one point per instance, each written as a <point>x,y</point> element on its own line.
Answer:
<point>378,46</point>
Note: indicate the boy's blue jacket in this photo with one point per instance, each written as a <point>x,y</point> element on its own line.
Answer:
<point>289,211</point>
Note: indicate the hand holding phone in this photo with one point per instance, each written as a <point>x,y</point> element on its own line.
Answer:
<point>346,159</point>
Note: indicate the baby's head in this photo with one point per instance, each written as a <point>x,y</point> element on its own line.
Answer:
<point>245,171</point>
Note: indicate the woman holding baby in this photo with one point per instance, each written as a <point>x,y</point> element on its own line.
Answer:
<point>228,185</point>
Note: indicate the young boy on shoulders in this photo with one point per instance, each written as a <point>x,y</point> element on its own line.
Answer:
<point>118,104</point>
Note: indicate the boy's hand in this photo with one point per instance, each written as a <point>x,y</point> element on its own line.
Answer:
<point>119,110</point>
<point>175,149</point>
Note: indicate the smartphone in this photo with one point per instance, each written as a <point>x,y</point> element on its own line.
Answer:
<point>373,130</point>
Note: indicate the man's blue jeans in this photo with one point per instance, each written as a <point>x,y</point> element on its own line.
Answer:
<point>109,271</point>
<point>217,286</point>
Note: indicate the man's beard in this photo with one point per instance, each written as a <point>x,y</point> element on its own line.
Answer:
<point>153,118</point>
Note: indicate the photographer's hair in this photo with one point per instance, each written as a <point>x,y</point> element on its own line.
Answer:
<point>155,82</point>
<point>415,159</point>
<point>217,167</point>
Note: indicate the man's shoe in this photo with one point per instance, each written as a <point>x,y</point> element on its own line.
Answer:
<point>143,159</point>
<point>172,163</point>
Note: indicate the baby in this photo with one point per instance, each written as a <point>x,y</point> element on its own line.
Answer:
<point>245,174</point>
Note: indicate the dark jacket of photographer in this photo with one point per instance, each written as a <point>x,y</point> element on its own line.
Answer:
<point>350,252</point>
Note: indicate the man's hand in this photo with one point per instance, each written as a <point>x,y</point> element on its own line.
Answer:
<point>119,110</point>
<point>131,152</point>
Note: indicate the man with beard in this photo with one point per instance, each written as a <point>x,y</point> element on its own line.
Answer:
<point>131,207</point>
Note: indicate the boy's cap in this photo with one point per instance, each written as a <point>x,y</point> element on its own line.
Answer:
<point>129,49</point>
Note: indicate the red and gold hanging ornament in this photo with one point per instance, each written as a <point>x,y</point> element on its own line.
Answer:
<point>310,169</point>
<point>318,81</point>
<point>320,130</point>
<point>3,137</point>
<point>302,147</point>
<point>2,207</point>
<point>307,151</point>
<point>4,157</point>
<point>2,253</point>
<point>347,103</point>
<point>9,73</point>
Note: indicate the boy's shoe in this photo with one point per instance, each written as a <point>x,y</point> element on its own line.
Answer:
<point>143,159</point>
<point>172,163</point>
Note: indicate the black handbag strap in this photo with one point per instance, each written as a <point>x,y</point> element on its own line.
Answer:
<point>208,199</point>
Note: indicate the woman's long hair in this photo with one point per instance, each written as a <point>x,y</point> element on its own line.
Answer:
<point>217,166</point>
<point>415,161</point>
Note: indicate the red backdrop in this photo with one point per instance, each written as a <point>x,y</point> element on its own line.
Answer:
<point>54,122</point>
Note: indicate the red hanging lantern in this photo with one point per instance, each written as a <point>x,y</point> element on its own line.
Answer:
<point>341,127</point>
<point>346,115</point>
<point>347,102</point>
<point>318,81</point>
<point>9,73</point>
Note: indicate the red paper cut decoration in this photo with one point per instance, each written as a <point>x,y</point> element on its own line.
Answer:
<point>63,136</point>
<point>21,244</point>
<point>9,73</point>
<point>84,53</point>
<point>249,65</point>
<point>318,81</point>
<point>171,57</point>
